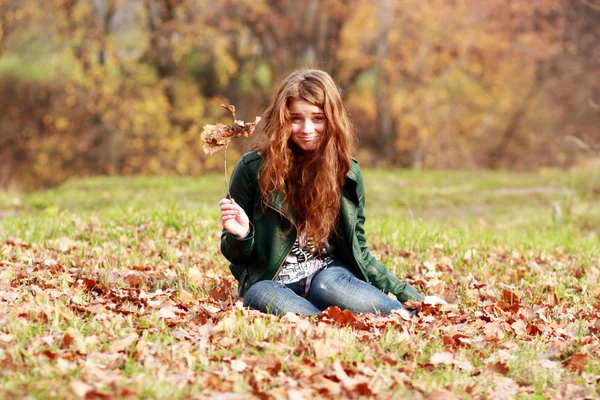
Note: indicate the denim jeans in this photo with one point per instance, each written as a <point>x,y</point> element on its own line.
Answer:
<point>333,286</point>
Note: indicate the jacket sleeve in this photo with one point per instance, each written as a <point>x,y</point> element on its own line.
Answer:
<point>377,274</point>
<point>242,188</point>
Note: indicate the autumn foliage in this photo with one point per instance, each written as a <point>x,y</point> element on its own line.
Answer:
<point>307,356</point>
<point>119,87</point>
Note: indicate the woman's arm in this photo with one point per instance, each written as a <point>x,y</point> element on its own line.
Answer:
<point>377,274</point>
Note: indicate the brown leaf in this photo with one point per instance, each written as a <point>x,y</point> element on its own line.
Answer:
<point>498,367</point>
<point>334,313</point>
<point>510,297</point>
<point>324,386</point>
<point>533,330</point>
<point>447,340</point>
<point>596,327</point>
<point>503,305</point>
<point>216,137</point>
<point>135,280</point>
<point>49,354</point>
<point>96,395</point>
<point>578,363</point>
<point>343,377</point>
<point>93,285</point>
<point>412,305</point>
<point>214,382</point>
<point>267,362</point>
<point>68,340</point>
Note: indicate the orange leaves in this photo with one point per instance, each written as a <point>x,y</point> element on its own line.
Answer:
<point>337,316</point>
<point>499,367</point>
<point>116,317</point>
<point>509,297</point>
<point>578,362</point>
<point>94,286</point>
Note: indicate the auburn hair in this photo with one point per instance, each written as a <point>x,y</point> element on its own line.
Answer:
<point>310,183</point>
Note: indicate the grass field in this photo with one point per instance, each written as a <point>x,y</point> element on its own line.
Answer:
<point>115,288</point>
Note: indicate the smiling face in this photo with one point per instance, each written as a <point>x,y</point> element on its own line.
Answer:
<point>308,124</point>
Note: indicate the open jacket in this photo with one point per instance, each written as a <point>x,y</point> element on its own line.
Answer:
<point>261,254</point>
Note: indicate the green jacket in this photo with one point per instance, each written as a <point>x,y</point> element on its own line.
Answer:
<point>260,255</point>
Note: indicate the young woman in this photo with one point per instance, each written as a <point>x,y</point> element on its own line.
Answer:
<point>293,229</point>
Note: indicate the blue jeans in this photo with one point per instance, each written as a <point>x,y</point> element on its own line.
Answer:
<point>333,286</point>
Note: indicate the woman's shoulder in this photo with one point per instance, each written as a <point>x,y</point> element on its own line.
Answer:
<point>251,156</point>
<point>354,173</point>
<point>250,162</point>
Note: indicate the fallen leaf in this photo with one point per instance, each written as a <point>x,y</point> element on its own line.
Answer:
<point>216,137</point>
<point>167,312</point>
<point>238,365</point>
<point>510,297</point>
<point>578,363</point>
<point>442,358</point>
<point>441,394</point>
<point>80,388</point>
<point>499,367</point>
<point>334,313</point>
<point>571,390</point>
<point>505,389</point>
<point>124,344</point>
<point>347,382</point>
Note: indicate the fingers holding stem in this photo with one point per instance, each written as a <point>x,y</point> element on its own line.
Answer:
<point>234,218</point>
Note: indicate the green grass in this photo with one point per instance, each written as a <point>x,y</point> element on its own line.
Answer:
<point>150,326</point>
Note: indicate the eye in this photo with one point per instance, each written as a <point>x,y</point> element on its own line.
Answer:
<point>296,119</point>
<point>319,119</point>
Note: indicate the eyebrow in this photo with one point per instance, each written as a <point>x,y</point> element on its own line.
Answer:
<point>317,113</point>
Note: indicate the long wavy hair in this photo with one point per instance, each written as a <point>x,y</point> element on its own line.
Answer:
<point>310,183</point>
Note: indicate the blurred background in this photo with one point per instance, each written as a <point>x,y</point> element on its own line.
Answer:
<point>122,87</point>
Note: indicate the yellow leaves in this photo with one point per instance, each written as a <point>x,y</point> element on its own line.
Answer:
<point>62,123</point>
<point>358,30</point>
<point>225,65</point>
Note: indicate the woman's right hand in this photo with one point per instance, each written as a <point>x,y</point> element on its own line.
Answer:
<point>234,218</point>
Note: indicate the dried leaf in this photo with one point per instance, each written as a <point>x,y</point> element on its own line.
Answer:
<point>442,358</point>
<point>499,367</point>
<point>578,363</point>
<point>510,297</point>
<point>217,137</point>
<point>441,394</point>
<point>335,314</point>
<point>80,388</point>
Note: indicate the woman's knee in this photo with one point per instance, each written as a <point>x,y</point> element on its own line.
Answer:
<point>333,278</point>
<point>258,290</point>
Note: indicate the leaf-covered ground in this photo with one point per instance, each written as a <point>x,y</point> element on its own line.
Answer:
<point>114,288</point>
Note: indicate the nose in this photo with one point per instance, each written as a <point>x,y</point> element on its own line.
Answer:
<point>308,127</point>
